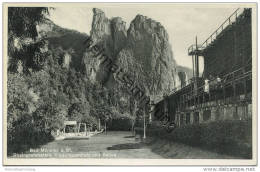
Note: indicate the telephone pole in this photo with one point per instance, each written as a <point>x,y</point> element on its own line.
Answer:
<point>144,124</point>
<point>99,124</point>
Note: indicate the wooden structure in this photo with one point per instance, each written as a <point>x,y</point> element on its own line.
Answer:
<point>76,127</point>
<point>227,57</point>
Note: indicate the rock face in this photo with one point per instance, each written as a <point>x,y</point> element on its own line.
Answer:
<point>147,41</point>
<point>184,74</point>
<point>143,52</point>
<point>110,33</point>
<point>66,60</point>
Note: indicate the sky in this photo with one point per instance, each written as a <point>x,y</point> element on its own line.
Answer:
<point>182,22</point>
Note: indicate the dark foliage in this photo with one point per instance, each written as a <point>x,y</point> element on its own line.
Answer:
<point>228,137</point>
<point>49,90</point>
<point>22,22</point>
<point>71,40</point>
<point>120,124</point>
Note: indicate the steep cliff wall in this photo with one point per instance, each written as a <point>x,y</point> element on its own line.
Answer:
<point>147,42</point>
<point>143,51</point>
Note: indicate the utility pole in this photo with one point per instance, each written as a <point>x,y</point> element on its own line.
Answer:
<point>196,65</point>
<point>193,68</point>
<point>105,127</point>
<point>197,58</point>
<point>98,124</point>
<point>144,122</point>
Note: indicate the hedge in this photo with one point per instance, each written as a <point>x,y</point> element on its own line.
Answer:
<point>25,139</point>
<point>119,125</point>
<point>226,137</point>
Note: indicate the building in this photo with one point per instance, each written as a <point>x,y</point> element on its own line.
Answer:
<point>224,91</point>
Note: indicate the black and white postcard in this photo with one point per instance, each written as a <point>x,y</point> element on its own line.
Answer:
<point>129,84</point>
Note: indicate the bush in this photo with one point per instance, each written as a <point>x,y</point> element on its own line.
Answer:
<point>227,137</point>
<point>26,135</point>
<point>120,124</point>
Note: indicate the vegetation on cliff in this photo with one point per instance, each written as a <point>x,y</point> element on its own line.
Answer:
<point>52,77</point>
<point>44,87</point>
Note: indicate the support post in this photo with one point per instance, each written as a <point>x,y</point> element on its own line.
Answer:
<point>234,90</point>
<point>196,69</point>
<point>193,66</point>
<point>244,83</point>
<point>105,127</point>
<point>85,128</point>
<point>224,93</point>
<point>79,127</point>
<point>197,59</point>
<point>144,126</point>
<point>99,124</point>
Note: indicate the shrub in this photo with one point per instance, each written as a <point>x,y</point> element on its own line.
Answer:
<point>120,124</point>
<point>228,137</point>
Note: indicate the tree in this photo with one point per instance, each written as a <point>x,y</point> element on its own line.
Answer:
<point>22,21</point>
<point>22,37</point>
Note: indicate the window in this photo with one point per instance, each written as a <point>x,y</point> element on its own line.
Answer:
<point>181,119</point>
<point>187,118</point>
<point>235,113</point>
<point>206,115</point>
<point>217,114</point>
<point>196,117</point>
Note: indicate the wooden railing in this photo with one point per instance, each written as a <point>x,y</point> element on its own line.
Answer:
<point>232,18</point>
<point>228,79</point>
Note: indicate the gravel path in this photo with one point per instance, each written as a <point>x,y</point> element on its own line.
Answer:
<point>117,145</point>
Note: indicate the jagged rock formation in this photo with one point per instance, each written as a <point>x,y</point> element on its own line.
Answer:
<point>148,41</point>
<point>110,33</point>
<point>143,52</point>
<point>184,74</point>
<point>66,60</point>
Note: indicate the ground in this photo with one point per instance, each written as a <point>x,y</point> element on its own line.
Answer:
<point>116,145</point>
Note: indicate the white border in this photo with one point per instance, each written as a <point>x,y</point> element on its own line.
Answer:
<point>146,161</point>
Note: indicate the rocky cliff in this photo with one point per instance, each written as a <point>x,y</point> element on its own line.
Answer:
<point>70,41</point>
<point>143,51</point>
<point>184,74</point>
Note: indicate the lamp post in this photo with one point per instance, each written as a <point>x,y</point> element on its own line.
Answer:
<point>145,111</point>
<point>144,124</point>
<point>151,109</point>
<point>98,124</point>
<point>105,127</point>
